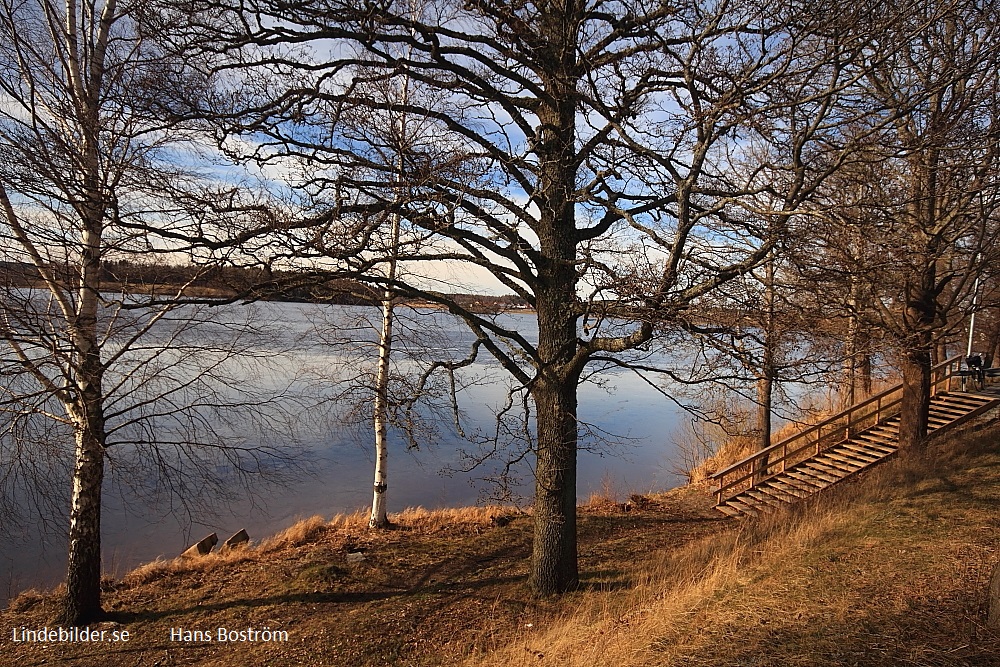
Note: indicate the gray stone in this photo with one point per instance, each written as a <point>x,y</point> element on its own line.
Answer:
<point>202,548</point>
<point>239,539</point>
<point>355,557</point>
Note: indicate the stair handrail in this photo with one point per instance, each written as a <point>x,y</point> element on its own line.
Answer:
<point>760,462</point>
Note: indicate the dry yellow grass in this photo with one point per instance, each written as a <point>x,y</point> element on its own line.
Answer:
<point>316,529</point>
<point>883,572</point>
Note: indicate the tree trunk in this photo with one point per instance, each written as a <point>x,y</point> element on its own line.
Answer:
<point>940,352</point>
<point>993,346</point>
<point>379,516</point>
<point>915,406</point>
<point>554,566</point>
<point>554,560</point>
<point>857,383</point>
<point>83,574</point>
<point>849,387</point>
<point>765,392</point>
<point>86,408</point>
<point>765,382</point>
<point>864,371</point>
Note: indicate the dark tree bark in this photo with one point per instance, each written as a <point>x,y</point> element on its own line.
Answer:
<point>921,318</point>
<point>554,558</point>
<point>915,405</point>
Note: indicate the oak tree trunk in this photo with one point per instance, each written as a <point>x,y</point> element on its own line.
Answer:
<point>554,560</point>
<point>765,393</point>
<point>916,400</point>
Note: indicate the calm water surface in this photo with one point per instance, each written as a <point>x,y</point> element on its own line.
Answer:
<point>636,453</point>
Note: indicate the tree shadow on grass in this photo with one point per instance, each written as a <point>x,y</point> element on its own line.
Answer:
<point>458,577</point>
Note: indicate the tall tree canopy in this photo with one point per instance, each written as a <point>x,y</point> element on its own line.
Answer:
<point>915,215</point>
<point>609,162</point>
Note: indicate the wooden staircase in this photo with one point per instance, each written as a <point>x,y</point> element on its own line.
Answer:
<point>845,444</point>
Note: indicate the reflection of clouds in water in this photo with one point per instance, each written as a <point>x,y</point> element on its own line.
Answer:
<point>340,469</point>
<point>640,457</point>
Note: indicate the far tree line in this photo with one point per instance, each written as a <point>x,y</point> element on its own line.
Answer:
<point>229,283</point>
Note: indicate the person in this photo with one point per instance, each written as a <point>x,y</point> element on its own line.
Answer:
<point>975,364</point>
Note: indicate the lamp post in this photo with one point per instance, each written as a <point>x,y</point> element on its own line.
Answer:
<point>972,316</point>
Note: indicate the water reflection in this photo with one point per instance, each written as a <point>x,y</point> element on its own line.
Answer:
<point>634,454</point>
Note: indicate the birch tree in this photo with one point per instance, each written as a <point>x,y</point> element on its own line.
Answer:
<point>88,174</point>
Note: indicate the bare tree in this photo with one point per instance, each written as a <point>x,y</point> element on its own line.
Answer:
<point>136,381</point>
<point>586,159</point>
<point>767,332</point>
<point>919,206</point>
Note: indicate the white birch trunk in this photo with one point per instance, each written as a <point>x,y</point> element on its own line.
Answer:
<point>379,518</point>
<point>86,403</point>
<point>380,413</point>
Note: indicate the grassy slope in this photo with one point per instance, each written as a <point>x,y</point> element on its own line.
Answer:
<point>892,571</point>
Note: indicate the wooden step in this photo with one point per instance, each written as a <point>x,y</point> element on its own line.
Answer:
<point>881,433</point>
<point>785,487</point>
<point>763,498</point>
<point>831,475</point>
<point>956,410</point>
<point>848,456</point>
<point>779,494</point>
<point>814,482</point>
<point>793,485</point>
<point>965,402</point>
<point>888,429</point>
<point>867,449</point>
<point>728,511</point>
<point>744,507</point>
<point>818,474</point>
<point>874,444</point>
<point>840,462</point>
<point>944,409</point>
<point>829,467</point>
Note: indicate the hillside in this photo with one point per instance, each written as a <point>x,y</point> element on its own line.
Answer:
<point>889,571</point>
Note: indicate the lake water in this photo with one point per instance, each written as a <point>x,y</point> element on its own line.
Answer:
<point>634,452</point>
